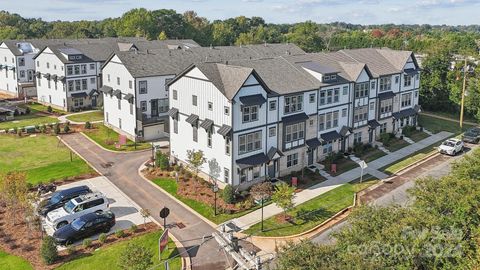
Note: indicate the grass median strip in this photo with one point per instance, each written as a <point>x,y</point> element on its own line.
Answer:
<point>86,117</point>
<point>27,120</point>
<point>107,138</point>
<point>11,262</point>
<point>107,258</point>
<point>409,160</point>
<point>435,125</point>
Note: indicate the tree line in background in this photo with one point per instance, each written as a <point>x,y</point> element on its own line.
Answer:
<point>440,89</point>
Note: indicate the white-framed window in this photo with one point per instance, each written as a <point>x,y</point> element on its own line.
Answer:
<point>130,84</point>
<point>321,122</point>
<point>83,69</point>
<point>118,80</point>
<point>272,131</point>
<point>226,110</point>
<point>84,84</point>
<point>120,123</point>
<point>249,142</point>
<point>92,80</point>
<point>70,86</point>
<point>119,105</point>
<point>295,132</point>
<point>21,61</point>
<point>385,84</point>
<point>143,106</point>
<point>311,98</point>
<point>383,128</point>
<point>335,119</point>
<point>292,160</point>
<point>357,137</point>
<point>194,100</point>
<point>243,175</point>
<point>163,105</point>
<point>386,106</point>
<point>310,122</point>
<point>175,125</point>
<point>249,114</point>
<point>131,108</point>
<point>406,100</point>
<point>396,79</point>
<point>228,143</point>
<point>108,77</point>
<point>345,90</point>
<point>361,90</point>
<point>256,172</point>
<point>273,105</point>
<point>48,84</point>
<point>226,175</point>
<point>195,132</point>
<point>344,112</point>
<point>48,65</point>
<point>78,102</point>
<point>407,80</point>
<point>336,95</point>
<point>142,86</point>
<point>78,85</point>
<point>22,73</point>
<point>38,63</point>
<point>372,106</point>
<point>293,104</point>
<point>70,70</point>
<point>360,114</point>
<point>372,85</point>
<point>328,120</point>
<point>92,66</point>
<point>416,94</point>
<point>328,147</point>
<point>76,69</point>
<point>210,106</point>
<point>209,138</point>
<point>175,94</point>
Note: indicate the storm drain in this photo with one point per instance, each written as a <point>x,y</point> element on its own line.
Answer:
<point>180,225</point>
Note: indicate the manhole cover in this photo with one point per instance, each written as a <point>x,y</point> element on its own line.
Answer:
<point>180,225</point>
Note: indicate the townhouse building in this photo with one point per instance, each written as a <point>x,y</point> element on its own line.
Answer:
<point>135,90</point>
<point>268,117</point>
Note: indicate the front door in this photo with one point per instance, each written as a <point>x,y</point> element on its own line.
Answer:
<point>94,101</point>
<point>271,169</point>
<point>370,135</point>
<point>344,141</point>
<point>30,75</point>
<point>154,105</point>
<point>310,157</point>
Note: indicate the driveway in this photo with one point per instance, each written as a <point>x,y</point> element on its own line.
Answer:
<point>122,170</point>
<point>126,212</point>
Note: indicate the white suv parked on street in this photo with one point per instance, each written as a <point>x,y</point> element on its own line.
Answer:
<point>77,207</point>
<point>451,147</point>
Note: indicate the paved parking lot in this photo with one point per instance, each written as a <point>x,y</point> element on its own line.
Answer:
<point>126,211</point>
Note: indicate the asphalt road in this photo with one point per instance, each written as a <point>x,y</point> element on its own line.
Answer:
<point>395,191</point>
<point>122,170</point>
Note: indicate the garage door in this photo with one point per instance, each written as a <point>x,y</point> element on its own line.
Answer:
<point>153,132</point>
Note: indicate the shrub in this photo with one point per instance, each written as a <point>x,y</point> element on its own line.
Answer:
<point>386,138</point>
<point>43,128</point>
<point>15,130</point>
<point>87,242</point>
<point>162,161</point>
<point>227,194</point>
<point>56,128</point>
<point>49,109</point>
<point>71,249</point>
<point>27,110</point>
<point>66,128</point>
<point>120,233</point>
<point>48,250</point>
<point>135,257</point>
<point>19,132</point>
<point>408,130</point>
<point>133,228</point>
<point>102,238</point>
<point>88,125</point>
<point>188,174</point>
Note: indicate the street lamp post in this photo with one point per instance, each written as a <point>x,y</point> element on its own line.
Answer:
<point>463,92</point>
<point>215,191</point>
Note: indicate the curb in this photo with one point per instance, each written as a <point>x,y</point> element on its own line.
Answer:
<point>417,163</point>
<point>112,151</point>
<point>212,224</point>
<point>186,263</point>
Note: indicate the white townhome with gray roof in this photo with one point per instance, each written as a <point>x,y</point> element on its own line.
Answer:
<point>135,91</point>
<point>273,116</point>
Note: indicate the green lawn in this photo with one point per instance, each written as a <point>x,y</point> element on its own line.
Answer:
<point>418,135</point>
<point>372,154</point>
<point>44,158</point>
<point>107,258</point>
<point>27,120</point>
<point>107,137</point>
<point>343,165</point>
<point>170,186</point>
<point>396,144</point>
<point>455,116</point>
<point>11,262</point>
<point>310,214</point>
<point>37,107</point>
<point>436,125</point>
<point>87,117</point>
<point>410,159</point>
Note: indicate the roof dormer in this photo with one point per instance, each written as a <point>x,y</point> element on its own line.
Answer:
<point>323,73</point>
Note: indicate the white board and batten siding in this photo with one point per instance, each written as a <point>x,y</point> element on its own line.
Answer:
<point>44,93</point>
<point>8,81</point>
<point>194,83</point>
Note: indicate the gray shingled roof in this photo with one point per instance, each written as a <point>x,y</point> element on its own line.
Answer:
<point>378,64</point>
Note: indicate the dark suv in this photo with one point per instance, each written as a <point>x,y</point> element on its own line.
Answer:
<point>59,198</point>
<point>85,226</point>
<point>472,135</point>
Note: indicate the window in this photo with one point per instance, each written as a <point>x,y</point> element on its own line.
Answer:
<point>335,119</point>
<point>406,100</point>
<point>336,95</point>
<point>163,105</point>
<point>272,132</point>
<point>416,94</point>
<point>383,128</point>
<point>322,97</point>
<point>21,61</point>
<point>372,106</point>
<point>294,132</point>
<point>396,79</point>
<point>226,175</point>
<point>372,85</point>
<point>118,80</point>
<point>175,94</point>
<point>22,73</point>
<point>256,172</point>
<point>386,106</point>
<point>70,86</point>
<point>226,110</point>
<point>119,105</point>
<point>273,105</point>
<point>328,147</point>
<point>175,125</point>
<point>250,114</point>
<point>311,98</point>
<point>360,114</point>
<point>106,117</point>
<point>55,67</point>
<point>70,71</point>
<point>407,80</point>
<point>76,69</point>
<point>38,63</point>
<point>209,138</point>
<point>195,132</point>
<point>344,112</point>
<point>333,77</point>
<point>311,122</point>
<point>131,108</point>
<point>385,84</point>
<point>249,142</point>
<point>78,102</point>
<point>92,80</point>
<point>293,104</point>
<point>292,160</point>
<point>143,106</point>
<point>56,87</point>
<point>130,84</point>
<point>329,96</point>
<point>83,69</point>
<point>357,137</point>
<point>194,100</point>
<point>361,90</point>
<point>108,77</point>
<point>243,175</point>
<point>142,85</point>
<point>48,65</point>
<point>321,122</point>
<point>210,106</point>
<point>48,84</point>
<point>78,85</point>
<point>227,145</point>
<point>92,66</point>
<point>84,84</point>
<point>120,123</point>
<point>345,90</point>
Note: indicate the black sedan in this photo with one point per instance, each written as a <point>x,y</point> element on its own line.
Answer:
<point>85,226</point>
<point>59,198</point>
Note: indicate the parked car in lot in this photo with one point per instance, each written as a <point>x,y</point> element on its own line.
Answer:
<point>85,226</point>
<point>75,208</point>
<point>472,135</point>
<point>451,147</point>
<point>59,198</point>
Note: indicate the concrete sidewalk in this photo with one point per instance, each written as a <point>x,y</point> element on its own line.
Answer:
<point>64,119</point>
<point>252,218</point>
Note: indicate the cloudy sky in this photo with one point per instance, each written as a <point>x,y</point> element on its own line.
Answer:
<point>451,12</point>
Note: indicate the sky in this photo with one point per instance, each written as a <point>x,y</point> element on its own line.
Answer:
<point>450,12</point>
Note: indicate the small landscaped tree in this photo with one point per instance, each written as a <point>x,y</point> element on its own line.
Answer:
<point>48,250</point>
<point>145,214</point>
<point>14,190</point>
<point>262,192</point>
<point>227,194</point>
<point>161,160</point>
<point>196,159</point>
<point>283,197</point>
<point>135,257</point>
